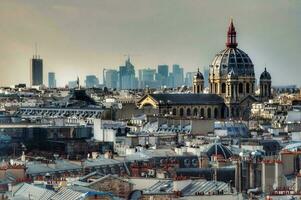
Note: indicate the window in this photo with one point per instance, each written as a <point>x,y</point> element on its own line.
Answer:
<point>223,88</point>
<point>240,88</point>
<point>202,112</point>
<point>209,113</point>
<point>181,112</point>
<point>174,111</point>
<point>247,88</point>
<point>188,112</point>
<point>195,112</point>
<point>215,113</point>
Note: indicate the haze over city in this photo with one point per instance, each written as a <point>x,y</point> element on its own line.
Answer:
<point>78,38</point>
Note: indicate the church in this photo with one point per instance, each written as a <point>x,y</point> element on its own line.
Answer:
<point>232,85</point>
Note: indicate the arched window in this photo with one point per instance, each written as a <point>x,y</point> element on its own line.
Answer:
<point>198,89</point>
<point>181,112</point>
<point>188,112</point>
<point>195,112</point>
<point>215,113</point>
<point>240,88</point>
<point>265,90</point>
<point>202,112</point>
<point>232,112</point>
<point>174,111</point>
<point>216,88</point>
<point>247,88</point>
<point>223,88</point>
<point>209,113</point>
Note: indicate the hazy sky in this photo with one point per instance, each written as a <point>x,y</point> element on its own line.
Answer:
<point>80,37</point>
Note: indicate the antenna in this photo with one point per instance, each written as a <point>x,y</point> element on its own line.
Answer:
<point>36,49</point>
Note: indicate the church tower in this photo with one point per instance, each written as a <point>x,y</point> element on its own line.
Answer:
<point>265,85</point>
<point>198,83</point>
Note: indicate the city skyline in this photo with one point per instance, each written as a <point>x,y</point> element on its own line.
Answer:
<point>189,33</point>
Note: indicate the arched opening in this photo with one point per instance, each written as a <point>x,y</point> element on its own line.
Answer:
<point>247,88</point>
<point>202,113</point>
<point>188,112</point>
<point>232,112</point>
<point>216,88</point>
<point>237,112</point>
<point>223,88</point>
<point>224,112</point>
<point>195,112</point>
<point>215,113</point>
<point>265,90</point>
<point>240,88</point>
<point>198,89</point>
<point>209,113</point>
<point>181,112</point>
<point>174,111</point>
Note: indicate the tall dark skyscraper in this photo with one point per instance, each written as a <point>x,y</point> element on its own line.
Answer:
<point>51,80</point>
<point>36,71</point>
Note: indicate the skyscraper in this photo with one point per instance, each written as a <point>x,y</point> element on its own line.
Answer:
<point>162,75</point>
<point>36,71</point>
<point>178,75</point>
<point>189,78</point>
<point>127,79</point>
<point>147,78</point>
<point>51,80</point>
<point>112,79</point>
<point>92,81</point>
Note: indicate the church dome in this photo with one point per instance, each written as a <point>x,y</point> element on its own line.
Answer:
<point>265,75</point>
<point>218,149</point>
<point>232,58</point>
<point>199,75</point>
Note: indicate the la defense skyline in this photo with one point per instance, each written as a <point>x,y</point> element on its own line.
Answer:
<point>124,77</point>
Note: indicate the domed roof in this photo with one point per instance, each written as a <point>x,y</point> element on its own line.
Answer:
<point>265,75</point>
<point>198,75</point>
<point>218,149</point>
<point>232,75</point>
<point>232,58</point>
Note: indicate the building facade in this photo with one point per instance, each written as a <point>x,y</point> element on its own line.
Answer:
<point>51,80</point>
<point>36,71</point>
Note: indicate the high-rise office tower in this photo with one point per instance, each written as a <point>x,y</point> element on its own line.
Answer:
<point>178,75</point>
<point>36,71</point>
<point>189,78</point>
<point>147,78</point>
<point>92,81</point>
<point>51,80</point>
<point>162,75</point>
<point>206,77</point>
<point>112,79</point>
<point>127,79</point>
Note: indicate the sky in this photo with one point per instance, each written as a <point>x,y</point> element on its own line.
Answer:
<point>81,37</point>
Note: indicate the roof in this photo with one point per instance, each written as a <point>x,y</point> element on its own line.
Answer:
<point>233,59</point>
<point>187,99</point>
<point>25,191</point>
<point>66,194</point>
<point>265,75</point>
<point>189,188</point>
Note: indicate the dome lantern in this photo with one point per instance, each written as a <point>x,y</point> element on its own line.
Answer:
<point>231,36</point>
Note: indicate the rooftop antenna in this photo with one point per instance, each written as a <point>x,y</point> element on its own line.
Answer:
<point>36,50</point>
